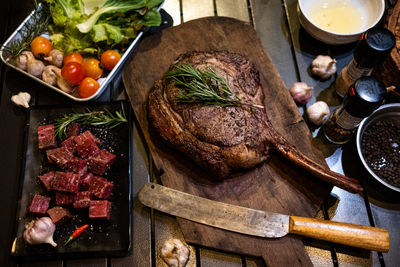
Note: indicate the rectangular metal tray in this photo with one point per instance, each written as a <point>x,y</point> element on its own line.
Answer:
<point>104,81</point>
<point>104,237</point>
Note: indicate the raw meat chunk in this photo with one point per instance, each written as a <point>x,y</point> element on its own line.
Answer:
<point>66,182</point>
<point>69,144</point>
<point>84,182</point>
<point>77,165</point>
<point>46,179</point>
<point>59,215</point>
<point>101,187</point>
<point>86,145</point>
<point>73,129</point>
<point>63,198</point>
<point>102,162</point>
<point>46,136</point>
<point>59,156</point>
<point>82,200</point>
<point>100,209</point>
<point>39,205</point>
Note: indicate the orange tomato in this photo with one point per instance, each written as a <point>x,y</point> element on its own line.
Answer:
<point>88,87</point>
<point>40,47</point>
<point>92,68</point>
<point>109,59</point>
<point>73,72</point>
<point>73,57</point>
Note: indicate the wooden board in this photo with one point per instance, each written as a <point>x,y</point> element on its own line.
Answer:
<point>276,185</point>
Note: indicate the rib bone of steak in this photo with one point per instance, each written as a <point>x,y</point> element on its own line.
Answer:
<point>224,140</point>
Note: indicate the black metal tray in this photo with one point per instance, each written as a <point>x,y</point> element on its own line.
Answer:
<point>103,238</point>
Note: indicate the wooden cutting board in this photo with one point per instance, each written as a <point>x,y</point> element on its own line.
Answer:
<point>274,186</point>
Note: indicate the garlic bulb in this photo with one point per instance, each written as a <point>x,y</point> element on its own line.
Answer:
<point>40,231</point>
<point>323,66</point>
<point>22,99</point>
<point>175,253</point>
<point>301,92</point>
<point>318,112</point>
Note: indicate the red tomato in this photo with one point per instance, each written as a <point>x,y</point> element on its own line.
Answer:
<point>73,72</point>
<point>88,87</point>
<point>92,68</point>
<point>40,47</point>
<point>73,57</point>
<point>109,59</point>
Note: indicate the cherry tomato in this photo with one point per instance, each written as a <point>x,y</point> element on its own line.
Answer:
<point>41,47</point>
<point>88,87</point>
<point>73,72</point>
<point>73,57</point>
<point>109,59</point>
<point>92,68</point>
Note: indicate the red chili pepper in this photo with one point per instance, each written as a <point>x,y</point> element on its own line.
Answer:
<point>77,233</point>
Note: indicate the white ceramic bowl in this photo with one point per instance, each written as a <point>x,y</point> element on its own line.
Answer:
<point>339,21</point>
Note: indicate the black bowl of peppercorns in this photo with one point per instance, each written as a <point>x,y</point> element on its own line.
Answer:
<point>378,145</point>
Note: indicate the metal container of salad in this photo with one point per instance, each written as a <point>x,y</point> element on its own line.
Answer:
<point>104,80</point>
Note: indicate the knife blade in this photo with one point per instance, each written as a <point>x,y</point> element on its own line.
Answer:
<point>260,223</point>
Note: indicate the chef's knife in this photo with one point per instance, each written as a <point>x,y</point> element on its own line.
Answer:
<point>260,223</point>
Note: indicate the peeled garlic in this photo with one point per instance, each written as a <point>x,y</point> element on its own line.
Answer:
<point>323,66</point>
<point>301,92</point>
<point>175,253</point>
<point>318,112</point>
<point>40,231</point>
<point>22,99</point>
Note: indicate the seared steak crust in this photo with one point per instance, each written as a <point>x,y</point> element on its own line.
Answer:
<point>224,140</point>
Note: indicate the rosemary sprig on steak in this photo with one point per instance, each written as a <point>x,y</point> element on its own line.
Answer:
<point>94,118</point>
<point>203,87</point>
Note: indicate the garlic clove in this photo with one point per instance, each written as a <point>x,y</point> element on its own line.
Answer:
<point>40,231</point>
<point>318,113</point>
<point>323,66</point>
<point>301,92</point>
<point>21,99</point>
<point>175,253</point>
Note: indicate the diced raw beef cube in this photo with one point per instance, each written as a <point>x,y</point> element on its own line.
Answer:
<point>73,129</point>
<point>39,205</point>
<point>69,144</point>
<point>77,165</point>
<point>63,198</point>
<point>59,215</point>
<point>102,162</point>
<point>84,182</point>
<point>86,145</point>
<point>46,136</point>
<point>101,187</point>
<point>65,182</point>
<point>82,200</point>
<point>46,179</point>
<point>59,156</point>
<point>100,209</point>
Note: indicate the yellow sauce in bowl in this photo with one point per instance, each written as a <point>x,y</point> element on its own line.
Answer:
<point>339,16</point>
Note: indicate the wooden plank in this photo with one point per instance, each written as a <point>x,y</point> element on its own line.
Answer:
<point>268,17</point>
<point>233,8</point>
<point>216,258</point>
<point>87,263</point>
<point>173,8</point>
<point>193,9</point>
<point>181,174</point>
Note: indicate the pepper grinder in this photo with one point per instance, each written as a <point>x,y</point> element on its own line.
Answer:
<point>366,95</point>
<point>375,44</point>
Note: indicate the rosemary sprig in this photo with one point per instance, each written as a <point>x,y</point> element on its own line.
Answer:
<point>203,87</point>
<point>94,118</point>
<point>33,28</point>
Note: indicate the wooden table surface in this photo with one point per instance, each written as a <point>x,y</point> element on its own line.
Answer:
<point>292,51</point>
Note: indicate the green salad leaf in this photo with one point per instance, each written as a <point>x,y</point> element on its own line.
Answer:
<point>91,26</point>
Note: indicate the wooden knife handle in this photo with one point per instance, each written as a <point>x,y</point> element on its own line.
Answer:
<point>366,237</point>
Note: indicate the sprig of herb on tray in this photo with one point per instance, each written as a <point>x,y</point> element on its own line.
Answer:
<point>36,26</point>
<point>93,118</point>
<point>203,87</point>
